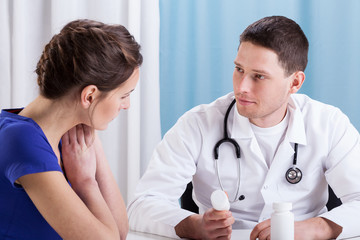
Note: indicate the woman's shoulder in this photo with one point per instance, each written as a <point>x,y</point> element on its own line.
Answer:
<point>16,127</point>
<point>20,136</point>
<point>24,149</point>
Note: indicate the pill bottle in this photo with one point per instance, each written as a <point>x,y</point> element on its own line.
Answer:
<point>282,221</point>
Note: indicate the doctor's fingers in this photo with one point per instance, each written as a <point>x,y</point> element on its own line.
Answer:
<point>213,214</point>
<point>265,234</point>
<point>218,224</point>
<point>261,231</point>
<point>215,225</point>
<point>218,233</point>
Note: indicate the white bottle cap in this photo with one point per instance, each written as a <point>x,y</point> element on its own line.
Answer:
<point>219,200</point>
<point>282,206</point>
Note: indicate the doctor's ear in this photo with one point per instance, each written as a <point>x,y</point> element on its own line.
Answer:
<point>88,95</point>
<point>297,81</point>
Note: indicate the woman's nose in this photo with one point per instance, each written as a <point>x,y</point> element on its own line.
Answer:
<point>126,104</point>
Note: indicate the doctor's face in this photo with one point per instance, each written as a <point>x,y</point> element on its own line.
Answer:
<point>261,88</point>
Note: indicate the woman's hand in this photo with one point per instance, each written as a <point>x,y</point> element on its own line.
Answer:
<point>78,153</point>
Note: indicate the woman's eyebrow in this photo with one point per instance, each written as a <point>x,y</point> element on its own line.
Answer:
<point>129,92</point>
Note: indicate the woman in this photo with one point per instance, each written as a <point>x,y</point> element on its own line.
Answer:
<point>85,74</point>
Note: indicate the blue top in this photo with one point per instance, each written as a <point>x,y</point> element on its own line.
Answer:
<point>24,149</point>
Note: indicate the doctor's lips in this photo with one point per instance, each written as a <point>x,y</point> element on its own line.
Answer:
<point>243,101</point>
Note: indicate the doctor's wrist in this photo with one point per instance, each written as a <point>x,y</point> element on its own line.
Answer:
<point>189,227</point>
<point>320,228</point>
<point>328,228</point>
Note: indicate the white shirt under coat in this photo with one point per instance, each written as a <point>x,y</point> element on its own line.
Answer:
<point>328,153</point>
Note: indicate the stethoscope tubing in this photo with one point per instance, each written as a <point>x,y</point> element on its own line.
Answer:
<point>238,182</point>
<point>293,175</point>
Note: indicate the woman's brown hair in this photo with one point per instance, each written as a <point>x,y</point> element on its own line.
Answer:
<point>87,52</point>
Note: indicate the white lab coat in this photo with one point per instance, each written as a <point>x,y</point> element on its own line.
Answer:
<point>328,153</point>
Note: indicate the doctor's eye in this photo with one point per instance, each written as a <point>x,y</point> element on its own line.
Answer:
<point>259,77</point>
<point>239,69</point>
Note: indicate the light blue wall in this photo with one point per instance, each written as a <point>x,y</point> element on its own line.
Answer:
<point>199,39</point>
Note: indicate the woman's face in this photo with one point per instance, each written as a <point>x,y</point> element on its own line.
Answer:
<point>109,107</point>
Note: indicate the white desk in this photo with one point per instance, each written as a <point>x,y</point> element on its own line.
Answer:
<point>243,234</point>
<point>144,236</point>
<point>236,235</point>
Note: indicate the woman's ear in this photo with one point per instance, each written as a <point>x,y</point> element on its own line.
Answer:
<point>89,95</point>
<point>297,81</point>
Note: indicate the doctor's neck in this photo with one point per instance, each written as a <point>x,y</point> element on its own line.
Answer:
<point>270,119</point>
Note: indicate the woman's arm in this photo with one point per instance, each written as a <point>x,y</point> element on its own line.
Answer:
<point>110,190</point>
<point>80,215</point>
<point>79,212</point>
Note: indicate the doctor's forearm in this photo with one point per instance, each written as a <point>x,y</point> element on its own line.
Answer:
<point>317,228</point>
<point>189,227</point>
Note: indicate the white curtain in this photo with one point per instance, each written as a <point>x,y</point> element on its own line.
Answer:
<point>25,28</point>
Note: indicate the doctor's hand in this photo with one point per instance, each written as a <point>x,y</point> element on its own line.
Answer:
<point>261,231</point>
<point>313,228</point>
<point>212,225</point>
<point>217,224</point>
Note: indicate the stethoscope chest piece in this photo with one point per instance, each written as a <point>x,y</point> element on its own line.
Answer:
<point>293,175</point>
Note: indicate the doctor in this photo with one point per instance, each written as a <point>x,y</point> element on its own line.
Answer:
<point>290,148</point>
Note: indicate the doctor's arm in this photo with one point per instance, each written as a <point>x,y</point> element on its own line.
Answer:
<point>156,207</point>
<point>342,174</point>
<point>313,228</point>
<point>212,224</point>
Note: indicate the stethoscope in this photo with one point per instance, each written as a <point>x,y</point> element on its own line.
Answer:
<point>293,175</point>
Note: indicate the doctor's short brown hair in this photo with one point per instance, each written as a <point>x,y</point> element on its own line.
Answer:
<point>283,36</point>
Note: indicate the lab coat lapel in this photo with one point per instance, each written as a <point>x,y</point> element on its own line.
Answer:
<point>296,129</point>
<point>283,159</point>
<point>295,133</point>
<point>241,131</point>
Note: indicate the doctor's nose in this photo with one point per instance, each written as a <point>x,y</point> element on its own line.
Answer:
<point>242,84</point>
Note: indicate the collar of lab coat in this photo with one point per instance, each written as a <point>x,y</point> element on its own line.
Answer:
<point>295,132</point>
